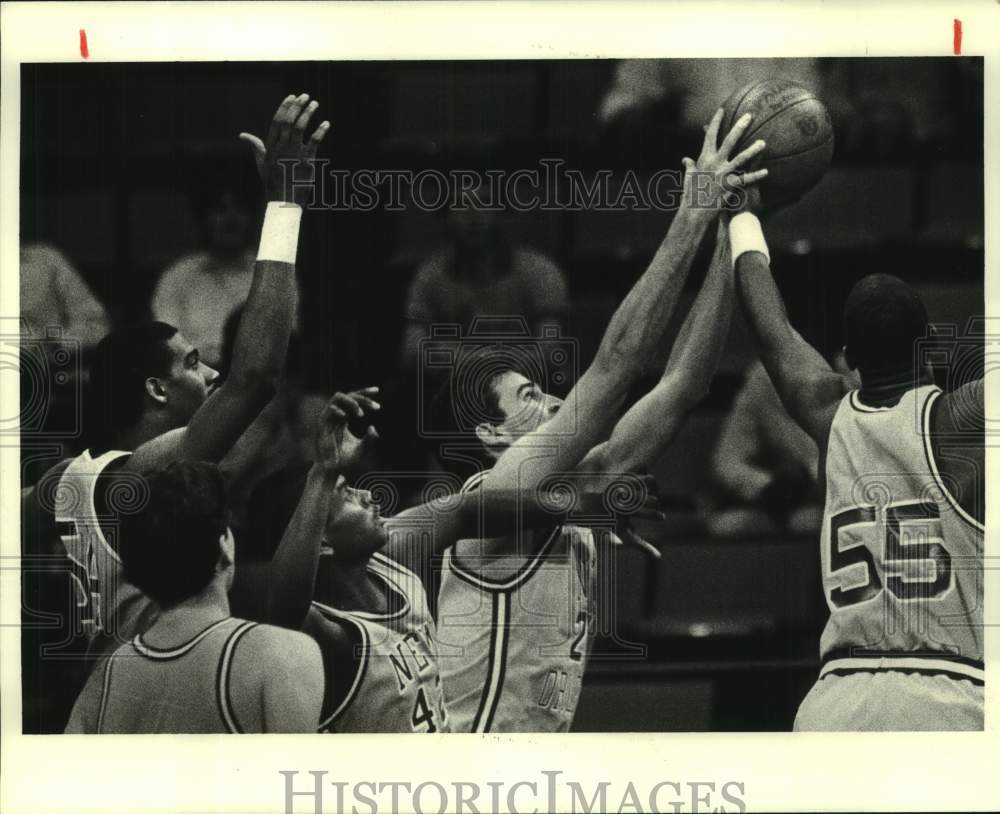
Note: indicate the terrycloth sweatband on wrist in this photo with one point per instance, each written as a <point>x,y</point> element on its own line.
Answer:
<point>745,235</point>
<point>279,237</point>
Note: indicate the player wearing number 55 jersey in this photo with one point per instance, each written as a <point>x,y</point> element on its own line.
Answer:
<point>901,546</point>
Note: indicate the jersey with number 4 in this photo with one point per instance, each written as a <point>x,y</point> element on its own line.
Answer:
<point>396,685</point>
<point>902,561</point>
<point>109,609</point>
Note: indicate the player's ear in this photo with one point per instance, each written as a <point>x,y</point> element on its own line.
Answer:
<point>227,550</point>
<point>846,353</point>
<point>155,390</point>
<point>489,435</point>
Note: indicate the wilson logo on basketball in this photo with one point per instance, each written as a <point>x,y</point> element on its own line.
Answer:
<point>808,125</point>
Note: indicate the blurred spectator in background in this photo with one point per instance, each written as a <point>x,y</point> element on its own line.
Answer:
<point>199,292</point>
<point>763,472</point>
<point>54,295</point>
<point>764,476</point>
<point>480,273</point>
<point>61,320</point>
<point>699,85</point>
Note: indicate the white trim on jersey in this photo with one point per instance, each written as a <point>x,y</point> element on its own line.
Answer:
<point>102,461</point>
<point>225,666</point>
<point>857,404</point>
<point>359,674</point>
<point>493,685</point>
<point>105,691</point>
<point>920,664</point>
<point>925,428</point>
<point>174,652</point>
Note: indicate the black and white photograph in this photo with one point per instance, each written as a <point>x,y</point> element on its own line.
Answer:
<point>498,396</point>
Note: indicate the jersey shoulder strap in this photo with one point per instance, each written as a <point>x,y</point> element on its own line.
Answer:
<point>362,652</point>
<point>223,677</point>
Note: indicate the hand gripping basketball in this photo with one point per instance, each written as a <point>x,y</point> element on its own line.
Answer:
<point>714,174</point>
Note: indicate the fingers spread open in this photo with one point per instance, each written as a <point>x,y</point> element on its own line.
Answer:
<point>320,133</point>
<point>712,132</point>
<point>302,122</point>
<point>633,538</point>
<point>734,135</point>
<point>742,158</point>
<point>279,114</point>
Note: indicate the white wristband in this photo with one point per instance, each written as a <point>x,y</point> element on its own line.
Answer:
<point>745,235</point>
<point>279,237</point>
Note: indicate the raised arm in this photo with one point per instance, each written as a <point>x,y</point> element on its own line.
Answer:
<point>644,432</point>
<point>638,325</point>
<point>809,388</point>
<point>261,344</point>
<point>292,572</point>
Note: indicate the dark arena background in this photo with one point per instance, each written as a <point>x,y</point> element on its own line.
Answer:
<point>121,161</point>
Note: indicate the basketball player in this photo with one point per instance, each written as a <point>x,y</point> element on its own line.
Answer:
<point>197,669</point>
<point>515,616</point>
<point>160,403</point>
<point>369,610</point>
<point>901,545</point>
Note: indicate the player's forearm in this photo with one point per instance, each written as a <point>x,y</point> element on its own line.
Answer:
<point>294,565</point>
<point>265,327</point>
<point>637,327</point>
<point>644,432</point>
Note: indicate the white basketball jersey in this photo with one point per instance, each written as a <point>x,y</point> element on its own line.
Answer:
<point>902,561</point>
<point>513,646</point>
<point>396,686</point>
<point>146,690</point>
<point>109,609</point>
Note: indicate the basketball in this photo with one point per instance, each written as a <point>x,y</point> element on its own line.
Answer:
<point>796,127</point>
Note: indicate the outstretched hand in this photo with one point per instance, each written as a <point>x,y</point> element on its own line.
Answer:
<point>285,160</point>
<point>339,450</point>
<point>709,180</point>
<point>628,498</point>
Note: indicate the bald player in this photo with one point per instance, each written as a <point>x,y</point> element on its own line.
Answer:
<point>901,545</point>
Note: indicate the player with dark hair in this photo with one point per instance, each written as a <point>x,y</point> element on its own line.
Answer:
<point>517,612</point>
<point>902,538</point>
<point>364,575</point>
<point>197,669</point>
<point>164,404</point>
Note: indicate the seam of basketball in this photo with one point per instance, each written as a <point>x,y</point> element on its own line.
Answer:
<point>810,98</point>
<point>746,93</point>
<point>801,152</point>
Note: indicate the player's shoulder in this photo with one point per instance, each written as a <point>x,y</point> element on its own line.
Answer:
<point>277,641</point>
<point>530,262</point>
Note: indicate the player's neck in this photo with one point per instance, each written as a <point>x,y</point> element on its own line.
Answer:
<point>351,589</point>
<point>149,426</point>
<point>188,618</point>
<point>885,389</point>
